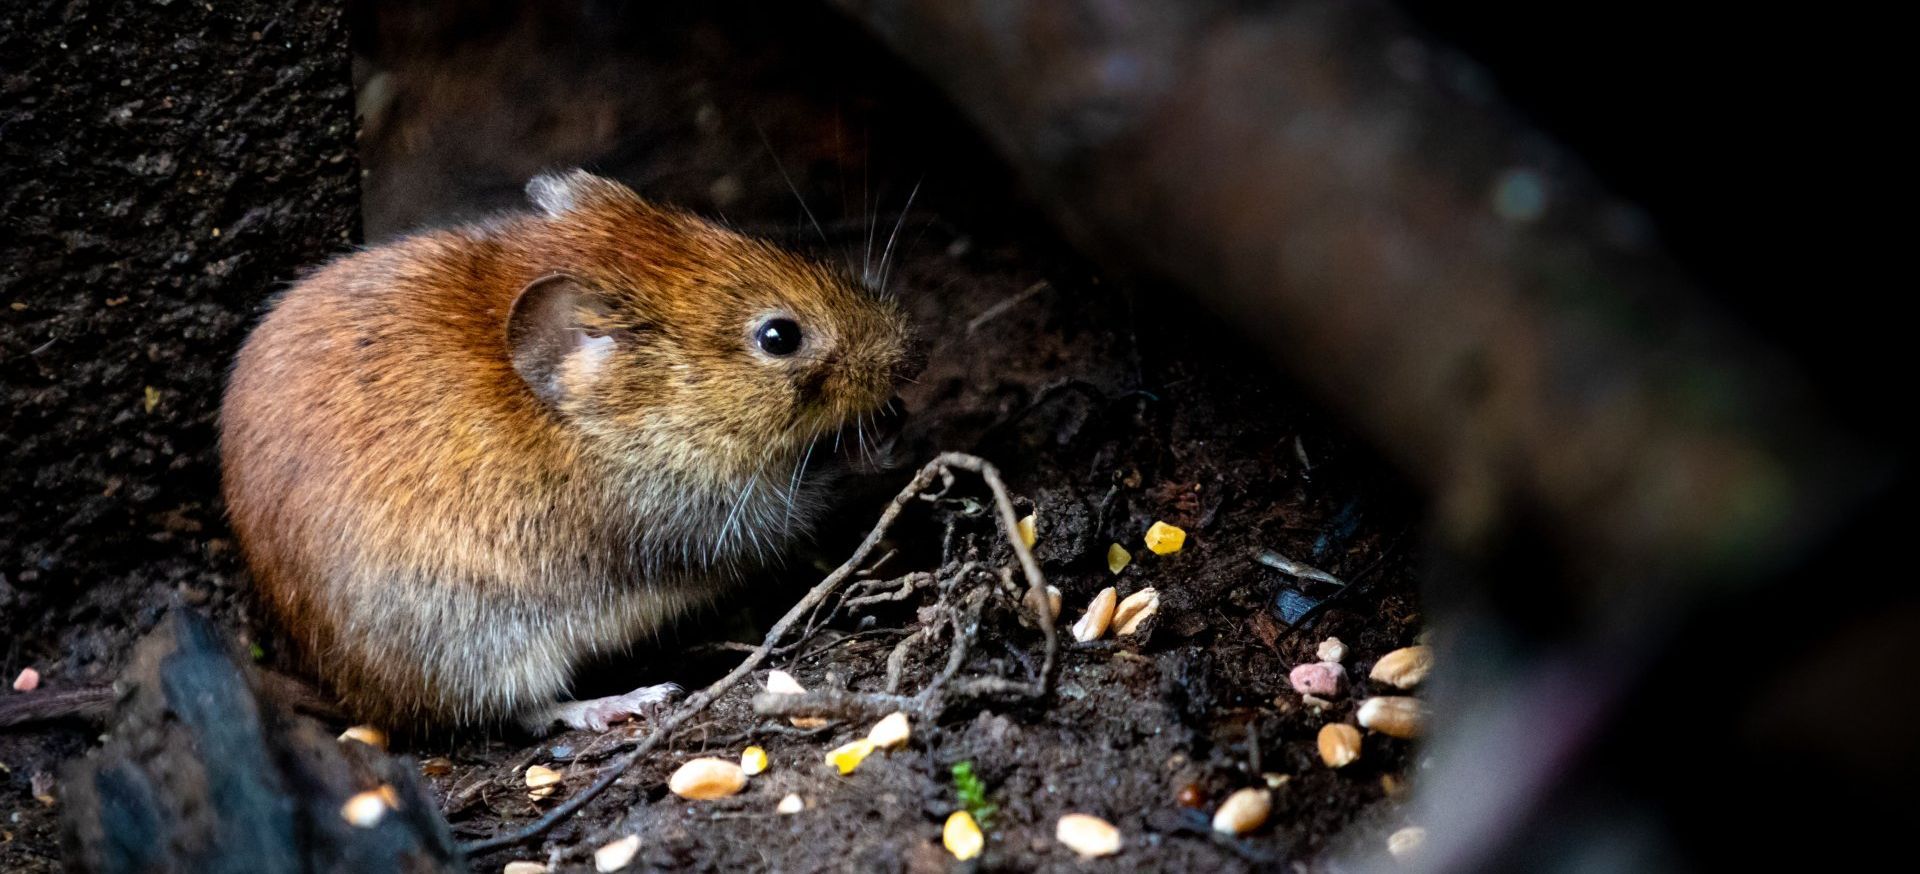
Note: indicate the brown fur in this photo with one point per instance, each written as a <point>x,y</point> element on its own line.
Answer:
<point>444,544</point>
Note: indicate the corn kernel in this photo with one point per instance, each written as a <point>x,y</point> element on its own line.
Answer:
<point>849,756</point>
<point>962,836</point>
<point>753,760</point>
<point>1165,539</point>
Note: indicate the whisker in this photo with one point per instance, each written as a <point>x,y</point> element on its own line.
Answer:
<point>886,255</point>
<point>777,165</point>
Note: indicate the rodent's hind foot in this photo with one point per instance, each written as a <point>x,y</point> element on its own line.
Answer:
<point>596,714</point>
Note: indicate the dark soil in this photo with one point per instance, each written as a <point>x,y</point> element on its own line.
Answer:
<point>163,168</point>
<point>1106,402</point>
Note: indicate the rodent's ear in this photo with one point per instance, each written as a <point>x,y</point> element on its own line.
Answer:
<point>557,194</point>
<point>556,336</point>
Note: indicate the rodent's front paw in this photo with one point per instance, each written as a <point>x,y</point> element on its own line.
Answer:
<point>597,714</point>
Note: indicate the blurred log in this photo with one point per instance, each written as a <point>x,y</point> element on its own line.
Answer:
<point>201,773</point>
<point>1358,200</point>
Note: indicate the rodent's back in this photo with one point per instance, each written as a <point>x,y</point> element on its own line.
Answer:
<point>372,425</point>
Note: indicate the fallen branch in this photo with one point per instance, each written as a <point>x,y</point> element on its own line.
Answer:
<point>940,469</point>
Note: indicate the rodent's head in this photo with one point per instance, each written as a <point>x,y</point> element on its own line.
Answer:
<point>681,345</point>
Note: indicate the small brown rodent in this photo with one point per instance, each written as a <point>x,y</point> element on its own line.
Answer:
<point>461,463</point>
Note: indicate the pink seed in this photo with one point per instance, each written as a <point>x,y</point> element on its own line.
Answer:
<point>28,681</point>
<point>1322,679</point>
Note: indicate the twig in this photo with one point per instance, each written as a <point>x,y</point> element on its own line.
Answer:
<point>940,468</point>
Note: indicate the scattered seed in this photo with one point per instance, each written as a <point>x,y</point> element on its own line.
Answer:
<point>1403,668</point>
<point>1191,795</point>
<point>1053,602</point>
<point>1099,614</point>
<point>783,683</point>
<point>1406,841</point>
<point>847,757</point>
<point>1025,527</point>
<point>962,836</point>
<point>1118,558</point>
<point>1394,715</point>
<point>1275,781</point>
<point>1089,836</point>
<point>1332,650</point>
<point>1319,679</point>
<point>707,778</point>
<point>1316,702</point>
<point>791,804</point>
<point>1165,539</point>
<point>365,809</point>
<point>542,782</point>
<point>753,760</point>
<point>616,855</point>
<point>366,734</point>
<point>1137,608</point>
<point>438,766</point>
<point>1339,744</point>
<point>891,732</point>
<point>524,868</point>
<point>1243,811</point>
<point>28,680</point>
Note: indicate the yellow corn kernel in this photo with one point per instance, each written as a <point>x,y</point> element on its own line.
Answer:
<point>849,756</point>
<point>962,836</point>
<point>1165,539</point>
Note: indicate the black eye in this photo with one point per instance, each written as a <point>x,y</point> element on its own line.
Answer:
<point>778,336</point>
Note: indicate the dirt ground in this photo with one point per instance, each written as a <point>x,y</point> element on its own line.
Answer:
<point>1105,401</point>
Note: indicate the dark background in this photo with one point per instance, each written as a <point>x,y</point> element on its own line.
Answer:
<point>1759,147</point>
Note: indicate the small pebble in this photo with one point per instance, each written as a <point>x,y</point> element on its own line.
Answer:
<point>1319,679</point>
<point>1332,650</point>
<point>28,680</point>
<point>791,804</point>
